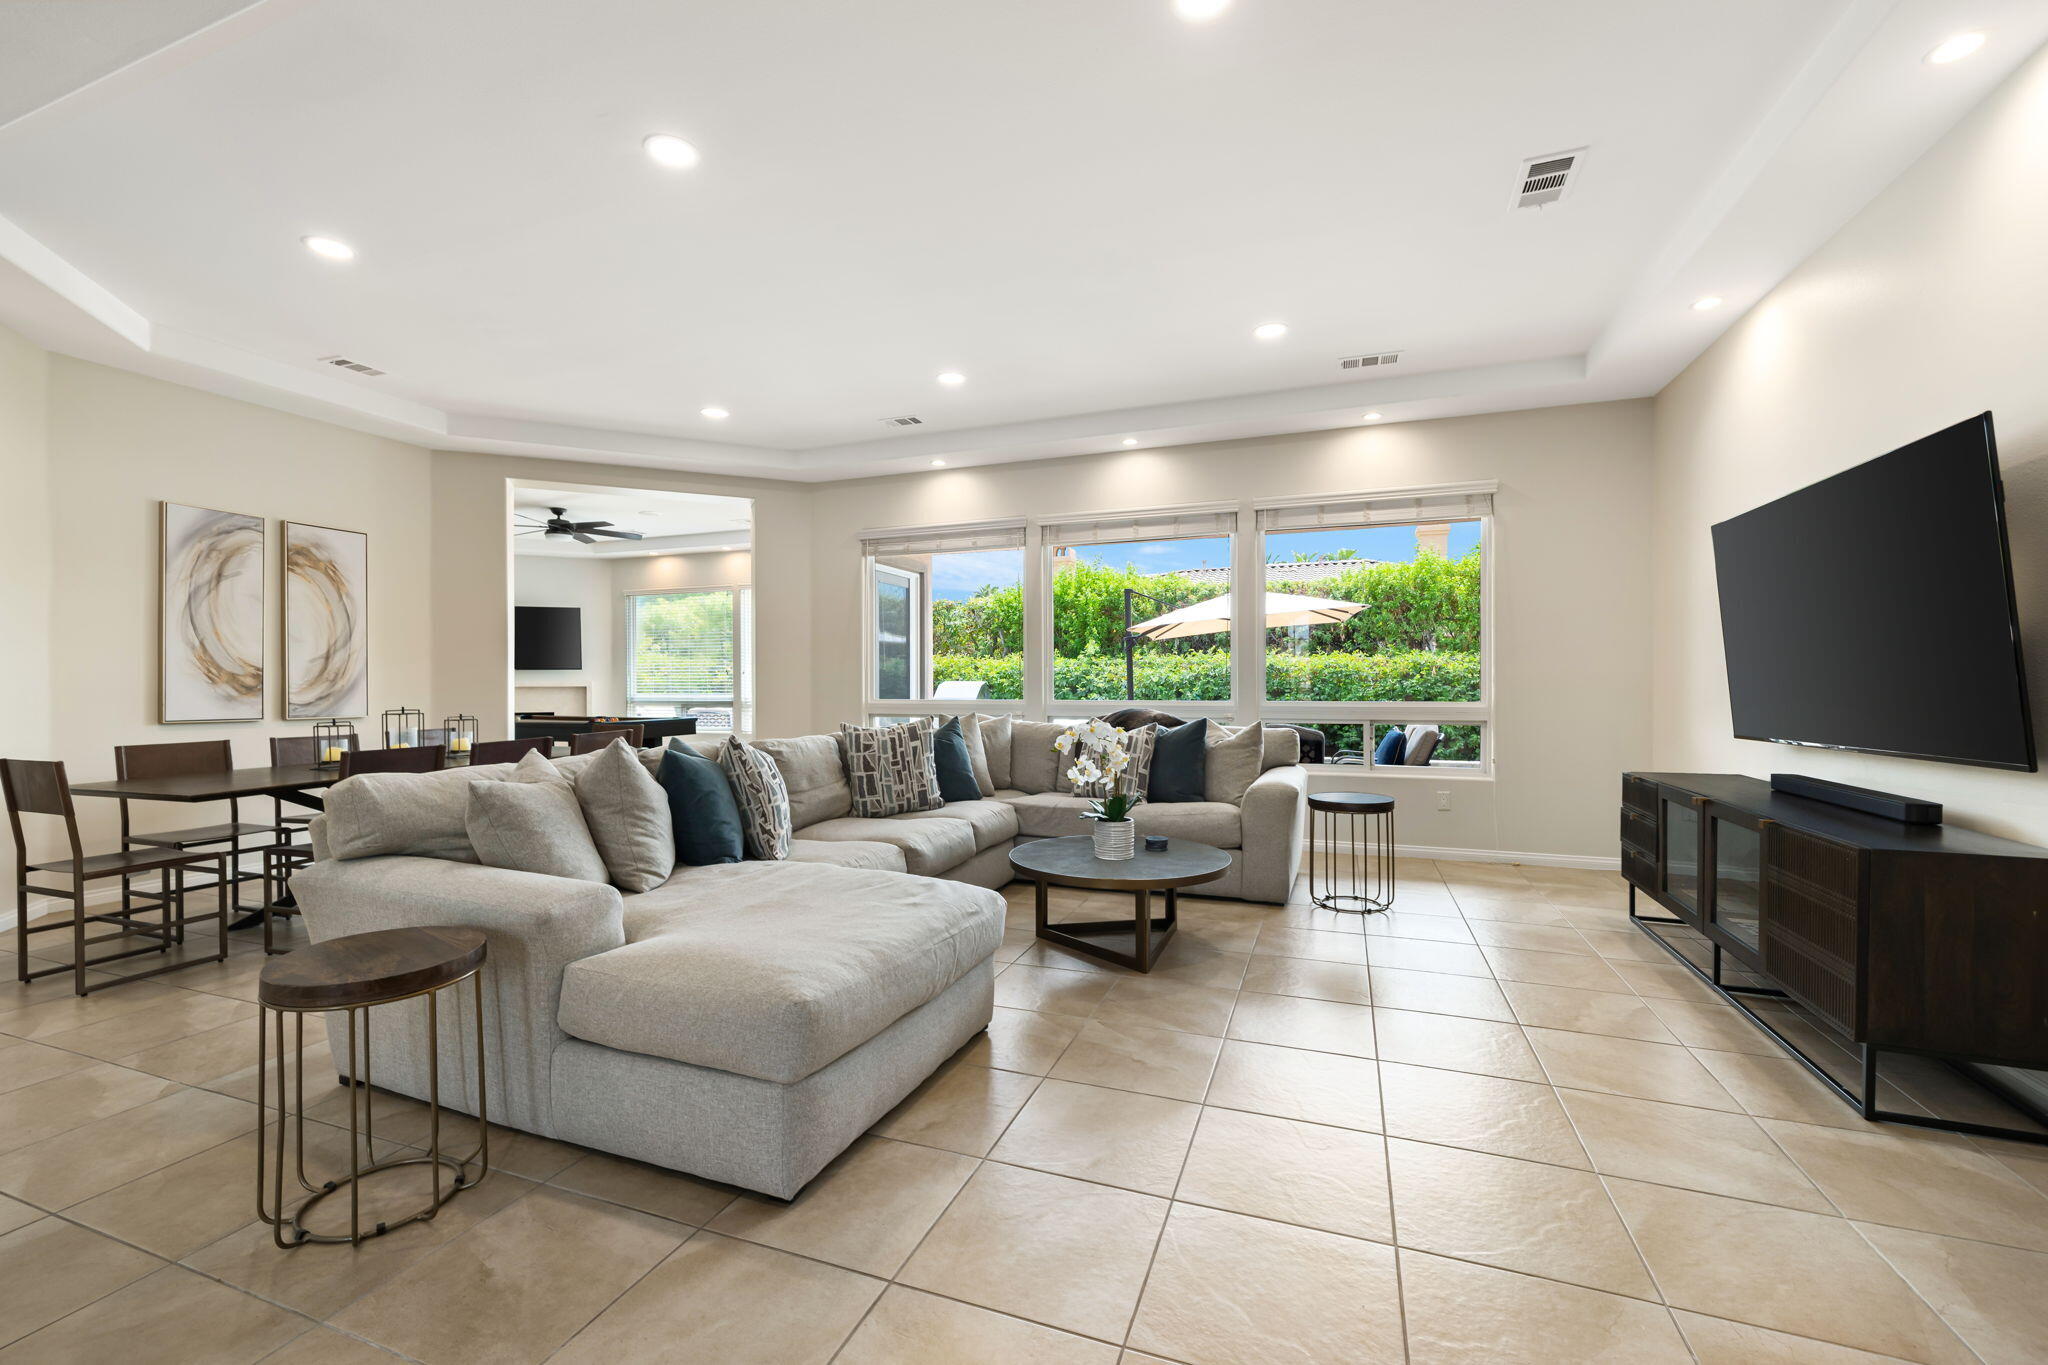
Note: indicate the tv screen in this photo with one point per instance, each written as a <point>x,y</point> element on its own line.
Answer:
<point>547,637</point>
<point>1874,610</point>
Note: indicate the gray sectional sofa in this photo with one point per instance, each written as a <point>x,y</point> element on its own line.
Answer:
<point>741,1022</point>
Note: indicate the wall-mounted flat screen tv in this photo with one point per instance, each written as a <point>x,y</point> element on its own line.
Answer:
<point>547,637</point>
<point>1874,610</point>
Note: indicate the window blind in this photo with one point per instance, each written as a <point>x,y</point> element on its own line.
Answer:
<point>1396,507</point>
<point>682,645</point>
<point>943,540</point>
<point>1115,528</point>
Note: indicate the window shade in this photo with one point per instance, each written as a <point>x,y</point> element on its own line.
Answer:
<point>682,645</point>
<point>944,540</point>
<point>1397,507</point>
<point>1115,528</point>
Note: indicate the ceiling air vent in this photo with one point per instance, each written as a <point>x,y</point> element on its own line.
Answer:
<point>1369,362</point>
<point>343,362</point>
<point>903,421</point>
<point>1546,179</point>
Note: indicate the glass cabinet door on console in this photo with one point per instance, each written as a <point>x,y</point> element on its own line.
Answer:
<point>1732,895</point>
<point>1681,860</point>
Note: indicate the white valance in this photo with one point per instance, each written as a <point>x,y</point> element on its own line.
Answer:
<point>1395,507</point>
<point>944,540</point>
<point>1114,528</point>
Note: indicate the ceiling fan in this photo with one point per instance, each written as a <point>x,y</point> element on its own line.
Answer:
<point>558,527</point>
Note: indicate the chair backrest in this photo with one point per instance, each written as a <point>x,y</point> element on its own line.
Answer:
<point>961,690</point>
<point>1422,742</point>
<point>36,787</point>
<point>600,737</point>
<point>289,751</point>
<point>510,750</point>
<point>173,760</point>
<point>421,758</point>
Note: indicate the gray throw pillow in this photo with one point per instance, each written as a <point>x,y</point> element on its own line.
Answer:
<point>891,768</point>
<point>380,815</point>
<point>758,789</point>
<point>1034,764</point>
<point>628,815</point>
<point>1235,758</point>
<point>532,767</point>
<point>995,747</point>
<point>532,827</point>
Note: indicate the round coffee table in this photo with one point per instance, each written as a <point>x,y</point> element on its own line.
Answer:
<point>1072,862</point>
<point>1368,821</point>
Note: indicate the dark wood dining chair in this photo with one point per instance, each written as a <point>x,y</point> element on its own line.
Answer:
<point>600,737</point>
<point>295,751</point>
<point>33,787</point>
<point>510,750</point>
<point>421,758</point>
<point>179,759</point>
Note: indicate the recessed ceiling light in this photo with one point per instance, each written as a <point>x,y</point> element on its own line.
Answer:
<point>1270,331</point>
<point>1706,304</point>
<point>1130,440</point>
<point>1371,417</point>
<point>330,248</point>
<point>1199,11</point>
<point>666,149</point>
<point>952,379</point>
<point>715,414</point>
<point>1956,48</point>
<point>938,464</point>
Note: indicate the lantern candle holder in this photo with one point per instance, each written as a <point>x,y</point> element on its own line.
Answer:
<point>402,727</point>
<point>332,739</point>
<point>461,732</point>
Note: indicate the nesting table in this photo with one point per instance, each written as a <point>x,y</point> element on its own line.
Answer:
<point>1072,862</point>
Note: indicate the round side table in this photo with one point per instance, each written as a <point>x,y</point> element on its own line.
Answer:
<point>1359,828</point>
<point>355,974</point>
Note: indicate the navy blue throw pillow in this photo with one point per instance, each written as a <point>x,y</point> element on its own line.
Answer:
<point>1393,747</point>
<point>956,768</point>
<point>1180,763</point>
<point>702,808</point>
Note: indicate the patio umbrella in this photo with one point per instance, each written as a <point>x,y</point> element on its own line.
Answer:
<point>1213,616</point>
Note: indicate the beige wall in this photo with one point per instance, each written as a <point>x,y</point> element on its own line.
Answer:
<point>1570,542</point>
<point>24,561</point>
<point>1929,307</point>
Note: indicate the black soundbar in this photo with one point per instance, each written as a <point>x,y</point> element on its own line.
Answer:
<point>1907,810</point>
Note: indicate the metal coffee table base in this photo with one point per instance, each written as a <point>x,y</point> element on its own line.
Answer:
<point>1147,933</point>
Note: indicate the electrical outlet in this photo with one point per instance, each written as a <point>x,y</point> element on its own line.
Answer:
<point>1443,800</point>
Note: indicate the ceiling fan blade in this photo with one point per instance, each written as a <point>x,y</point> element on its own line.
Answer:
<point>583,539</point>
<point>622,535</point>
<point>590,525</point>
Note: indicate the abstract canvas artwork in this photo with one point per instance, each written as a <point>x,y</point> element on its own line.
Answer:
<point>326,622</point>
<point>213,611</point>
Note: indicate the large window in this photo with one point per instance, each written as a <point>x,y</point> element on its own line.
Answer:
<point>685,655</point>
<point>1141,607</point>
<point>945,614</point>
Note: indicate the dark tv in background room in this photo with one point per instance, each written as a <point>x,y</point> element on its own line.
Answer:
<point>547,637</point>
<point>1875,611</point>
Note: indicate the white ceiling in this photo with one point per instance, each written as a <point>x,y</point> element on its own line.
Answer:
<point>1083,205</point>
<point>669,523</point>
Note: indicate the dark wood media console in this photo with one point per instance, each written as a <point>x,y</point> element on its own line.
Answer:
<point>1899,938</point>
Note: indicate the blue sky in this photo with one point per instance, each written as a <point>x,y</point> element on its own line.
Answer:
<point>956,577</point>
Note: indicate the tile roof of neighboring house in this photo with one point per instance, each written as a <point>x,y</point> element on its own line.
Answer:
<point>1305,571</point>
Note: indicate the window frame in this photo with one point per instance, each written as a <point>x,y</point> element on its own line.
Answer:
<point>740,702</point>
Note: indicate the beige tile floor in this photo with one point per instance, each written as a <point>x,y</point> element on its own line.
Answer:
<point>1494,1125</point>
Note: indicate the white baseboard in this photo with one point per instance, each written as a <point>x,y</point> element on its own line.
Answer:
<point>1494,855</point>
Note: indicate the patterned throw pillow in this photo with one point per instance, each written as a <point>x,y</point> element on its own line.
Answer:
<point>1139,743</point>
<point>763,799</point>
<point>891,768</point>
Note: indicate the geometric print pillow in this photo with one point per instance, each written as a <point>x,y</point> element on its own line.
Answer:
<point>763,799</point>
<point>892,768</point>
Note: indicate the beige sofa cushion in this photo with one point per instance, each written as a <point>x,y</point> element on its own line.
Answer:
<point>773,970</point>
<point>1034,763</point>
<point>815,774</point>
<point>932,846</point>
<point>377,815</point>
<point>995,746</point>
<point>1216,823</point>
<point>628,816</point>
<point>1050,815</point>
<point>848,853</point>
<point>994,822</point>
<point>1236,758</point>
<point>532,826</point>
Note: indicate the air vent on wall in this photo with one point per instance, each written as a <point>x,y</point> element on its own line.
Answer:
<point>1546,179</point>
<point>1369,362</point>
<point>903,421</point>
<point>345,363</point>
